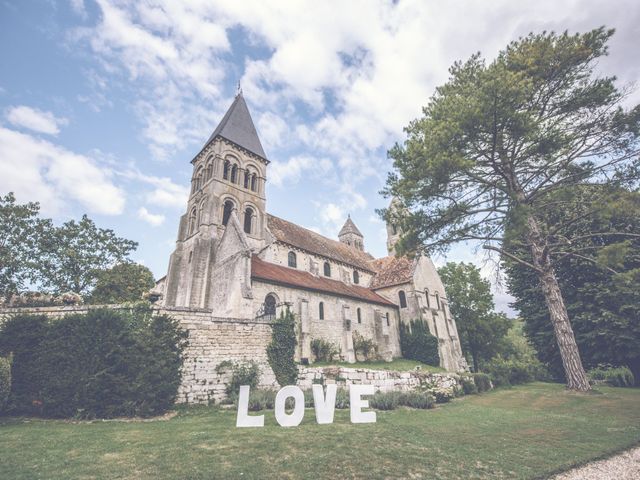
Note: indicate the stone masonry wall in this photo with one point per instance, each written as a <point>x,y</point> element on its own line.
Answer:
<point>382,380</point>
<point>213,340</point>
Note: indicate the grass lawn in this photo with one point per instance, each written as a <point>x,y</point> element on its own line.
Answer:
<point>524,432</point>
<point>399,364</point>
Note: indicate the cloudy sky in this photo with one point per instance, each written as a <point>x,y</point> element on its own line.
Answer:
<point>104,103</point>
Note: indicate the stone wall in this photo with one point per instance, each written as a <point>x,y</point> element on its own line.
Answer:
<point>213,340</point>
<point>382,380</point>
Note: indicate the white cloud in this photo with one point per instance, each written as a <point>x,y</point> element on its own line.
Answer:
<point>165,192</point>
<point>38,170</point>
<point>152,219</point>
<point>36,120</point>
<point>291,171</point>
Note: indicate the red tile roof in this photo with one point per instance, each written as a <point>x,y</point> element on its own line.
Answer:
<point>296,236</point>
<point>392,271</point>
<point>291,277</point>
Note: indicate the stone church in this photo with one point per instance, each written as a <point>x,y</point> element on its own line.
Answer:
<point>234,258</point>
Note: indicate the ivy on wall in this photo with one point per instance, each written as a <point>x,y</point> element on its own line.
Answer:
<point>417,343</point>
<point>281,350</point>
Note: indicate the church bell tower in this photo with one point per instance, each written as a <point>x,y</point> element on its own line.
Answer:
<point>227,185</point>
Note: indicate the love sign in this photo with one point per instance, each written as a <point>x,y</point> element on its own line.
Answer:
<point>324,404</point>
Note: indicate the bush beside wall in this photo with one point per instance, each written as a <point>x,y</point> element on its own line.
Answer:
<point>102,364</point>
<point>417,343</point>
<point>281,350</point>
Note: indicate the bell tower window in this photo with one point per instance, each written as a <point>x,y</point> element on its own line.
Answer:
<point>248,219</point>
<point>226,212</point>
<point>227,168</point>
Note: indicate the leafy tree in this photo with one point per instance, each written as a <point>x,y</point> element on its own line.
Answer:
<point>73,255</point>
<point>20,234</point>
<point>482,331</point>
<point>602,298</point>
<point>125,282</point>
<point>497,140</point>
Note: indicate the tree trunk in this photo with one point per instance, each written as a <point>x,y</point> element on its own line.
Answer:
<point>574,371</point>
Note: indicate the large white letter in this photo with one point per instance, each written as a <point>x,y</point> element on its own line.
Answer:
<point>293,419</point>
<point>325,407</point>
<point>243,419</point>
<point>357,404</point>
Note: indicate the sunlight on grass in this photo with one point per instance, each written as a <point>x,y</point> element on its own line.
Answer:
<point>523,432</point>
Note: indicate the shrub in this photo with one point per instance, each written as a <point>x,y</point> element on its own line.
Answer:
<point>281,350</point>
<point>385,400</point>
<point>342,399</point>
<point>243,373</point>
<point>5,381</point>
<point>442,394</point>
<point>262,400</point>
<point>422,400</point>
<point>323,350</point>
<point>418,344</point>
<point>482,381</point>
<point>614,376</point>
<point>514,371</point>
<point>101,364</point>
<point>366,346</point>
<point>469,386</point>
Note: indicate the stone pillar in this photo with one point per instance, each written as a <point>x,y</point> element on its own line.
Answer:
<point>305,331</point>
<point>382,333</point>
<point>347,338</point>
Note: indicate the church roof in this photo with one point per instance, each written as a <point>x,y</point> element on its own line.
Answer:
<point>312,242</point>
<point>292,277</point>
<point>237,127</point>
<point>391,271</point>
<point>349,227</point>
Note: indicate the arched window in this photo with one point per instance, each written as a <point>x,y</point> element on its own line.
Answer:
<point>254,182</point>
<point>247,177</point>
<point>226,171</point>
<point>327,269</point>
<point>356,277</point>
<point>208,171</point>
<point>293,261</point>
<point>359,314</point>
<point>270,305</point>
<point>226,211</point>
<point>426,295</point>
<point>234,174</point>
<point>403,299</point>
<point>248,219</point>
<point>193,219</point>
<point>437,300</point>
<point>388,322</point>
<point>321,311</point>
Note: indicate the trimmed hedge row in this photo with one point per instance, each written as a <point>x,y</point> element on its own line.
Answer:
<point>102,364</point>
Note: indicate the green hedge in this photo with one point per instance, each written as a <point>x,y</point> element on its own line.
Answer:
<point>505,372</point>
<point>417,343</point>
<point>614,376</point>
<point>281,350</point>
<point>5,381</point>
<point>102,364</point>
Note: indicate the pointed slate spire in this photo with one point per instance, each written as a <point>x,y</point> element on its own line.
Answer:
<point>237,127</point>
<point>349,227</point>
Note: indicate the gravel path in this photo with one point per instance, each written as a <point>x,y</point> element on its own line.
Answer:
<point>625,466</point>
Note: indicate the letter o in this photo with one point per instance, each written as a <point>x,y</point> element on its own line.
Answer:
<point>294,418</point>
